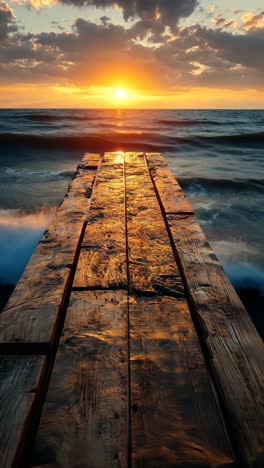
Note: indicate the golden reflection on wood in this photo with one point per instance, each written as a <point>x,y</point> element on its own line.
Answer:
<point>234,348</point>
<point>84,421</point>
<point>151,261</point>
<point>232,345</point>
<point>176,419</point>
<point>102,262</point>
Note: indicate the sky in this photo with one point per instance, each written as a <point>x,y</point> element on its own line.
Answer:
<point>160,53</point>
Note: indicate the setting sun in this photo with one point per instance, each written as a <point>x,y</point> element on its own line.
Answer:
<point>120,94</point>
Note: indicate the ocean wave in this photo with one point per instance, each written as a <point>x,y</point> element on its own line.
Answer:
<point>133,141</point>
<point>221,184</point>
<point>96,117</point>
<point>239,138</point>
<point>54,118</point>
<point>43,175</point>
<point>187,123</point>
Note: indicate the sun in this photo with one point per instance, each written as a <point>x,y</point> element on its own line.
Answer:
<point>120,94</point>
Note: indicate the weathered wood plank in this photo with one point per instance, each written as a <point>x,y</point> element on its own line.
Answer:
<point>89,158</point>
<point>20,380</point>
<point>32,313</point>
<point>176,419</point>
<point>102,262</point>
<point>171,194</point>
<point>152,264</point>
<point>234,348</point>
<point>84,421</point>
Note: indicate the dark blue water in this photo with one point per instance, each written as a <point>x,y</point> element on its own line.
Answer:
<point>217,156</point>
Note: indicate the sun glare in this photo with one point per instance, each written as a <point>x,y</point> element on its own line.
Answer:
<point>120,94</point>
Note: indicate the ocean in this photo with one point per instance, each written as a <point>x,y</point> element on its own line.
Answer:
<point>217,157</point>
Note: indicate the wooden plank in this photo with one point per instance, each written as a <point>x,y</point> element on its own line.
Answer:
<point>234,348</point>
<point>32,312</point>
<point>84,421</point>
<point>176,420</point>
<point>152,264</point>
<point>20,381</point>
<point>89,161</point>
<point>91,158</point>
<point>102,262</point>
<point>168,189</point>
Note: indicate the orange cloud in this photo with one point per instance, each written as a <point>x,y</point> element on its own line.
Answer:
<point>222,22</point>
<point>37,4</point>
<point>253,21</point>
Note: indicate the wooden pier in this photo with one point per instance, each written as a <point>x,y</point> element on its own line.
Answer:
<point>124,343</point>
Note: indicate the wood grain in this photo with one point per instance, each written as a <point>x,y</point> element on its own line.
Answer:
<point>171,194</point>
<point>84,421</point>
<point>91,159</point>
<point>152,267</point>
<point>32,313</point>
<point>20,379</point>
<point>176,420</point>
<point>234,348</point>
<point>102,262</point>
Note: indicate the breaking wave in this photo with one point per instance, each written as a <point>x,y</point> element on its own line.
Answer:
<point>134,140</point>
<point>223,184</point>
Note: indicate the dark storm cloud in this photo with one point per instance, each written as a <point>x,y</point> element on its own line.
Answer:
<point>168,11</point>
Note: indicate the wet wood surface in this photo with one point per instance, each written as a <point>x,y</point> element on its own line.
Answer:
<point>176,419</point>
<point>85,421</point>
<point>20,380</point>
<point>233,347</point>
<point>152,266</point>
<point>168,372</point>
<point>126,318</point>
<point>167,188</point>
<point>102,262</point>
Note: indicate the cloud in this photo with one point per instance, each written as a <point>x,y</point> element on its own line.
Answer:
<point>243,49</point>
<point>222,22</point>
<point>253,21</point>
<point>7,17</point>
<point>168,12</point>
<point>37,4</point>
<point>105,54</point>
<point>212,9</point>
